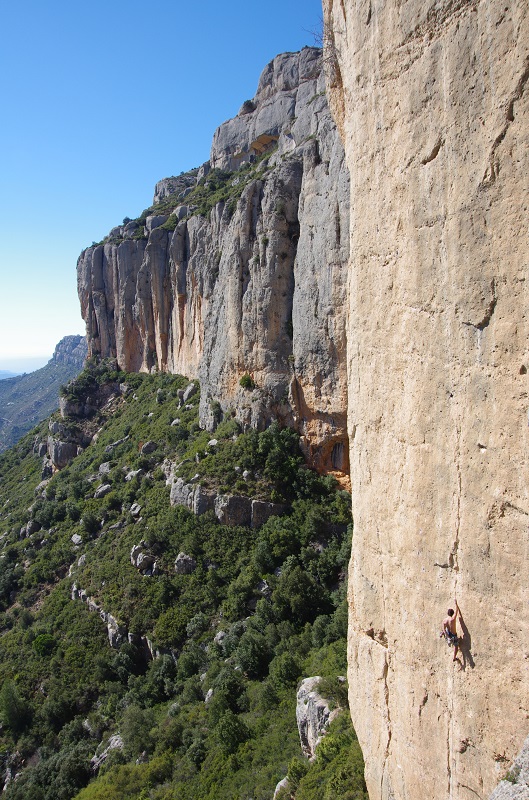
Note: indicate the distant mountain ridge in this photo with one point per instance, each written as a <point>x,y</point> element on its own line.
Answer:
<point>27,399</point>
<point>4,374</point>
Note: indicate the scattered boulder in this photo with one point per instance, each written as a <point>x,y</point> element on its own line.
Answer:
<point>116,632</point>
<point>134,553</point>
<point>76,539</point>
<point>32,527</point>
<point>110,447</point>
<point>145,561</point>
<point>148,447</point>
<point>184,564</point>
<point>102,490</point>
<point>105,468</point>
<point>135,510</point>
<point>40,489</point>
<point>189,391</point>
<point>134,473</point>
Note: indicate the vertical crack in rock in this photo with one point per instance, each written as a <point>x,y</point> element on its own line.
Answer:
<point>453,558</point>
<point>493,168</point>
<point>388,723</point>
<point>449,733</point>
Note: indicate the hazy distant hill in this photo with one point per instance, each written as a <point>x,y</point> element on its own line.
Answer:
<point>6,374</point>
<point>27,399</point>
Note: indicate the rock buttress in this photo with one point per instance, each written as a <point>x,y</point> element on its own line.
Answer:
<point>432,102</point>
<point>255,286</point>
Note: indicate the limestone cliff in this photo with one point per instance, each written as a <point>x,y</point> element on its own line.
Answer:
<point>432,102</point>
<point>237,270</point>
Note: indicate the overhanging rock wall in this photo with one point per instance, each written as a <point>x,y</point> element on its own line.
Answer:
<point>432,102</point>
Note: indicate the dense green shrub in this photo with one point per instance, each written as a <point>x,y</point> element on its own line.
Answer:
<point>247,382</point>
<point>262,608</point>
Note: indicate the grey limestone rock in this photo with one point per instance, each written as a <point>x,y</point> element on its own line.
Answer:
<point>102,490</point>
<point>283,784</point>
<point>233,509</point>
<point>313,715</point>
<point>194,497</point>
<point>262,511</point>
<point>189,391</point>
<point>184,564</point>
<point>256,288</point>
<point>61,453</point>
<point>516,787</point>
<point>155,221</point>
<point>134,473</point>
<point>135,510</point>
<point>114,743</point>
<point>148,447</point>
<point>32,527</point>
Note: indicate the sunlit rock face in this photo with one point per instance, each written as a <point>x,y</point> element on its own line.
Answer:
<point>257,287</point>
<point>432,103</point>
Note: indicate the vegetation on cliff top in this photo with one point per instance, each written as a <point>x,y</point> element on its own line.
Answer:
<point>260,609</point>
<point>218,186</point>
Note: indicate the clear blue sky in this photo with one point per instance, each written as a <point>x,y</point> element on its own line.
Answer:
<point>100,100</point>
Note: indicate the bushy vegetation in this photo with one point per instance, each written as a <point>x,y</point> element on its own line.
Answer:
<point>218,186</point>
<point>213,714</point>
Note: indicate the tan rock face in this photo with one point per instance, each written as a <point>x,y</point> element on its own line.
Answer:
<point>432,101</point>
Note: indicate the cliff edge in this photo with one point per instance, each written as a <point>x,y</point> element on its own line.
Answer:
<point>432,103</point>
<point>235,274</point>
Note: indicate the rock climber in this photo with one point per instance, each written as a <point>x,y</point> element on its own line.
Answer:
<point>450,630</point>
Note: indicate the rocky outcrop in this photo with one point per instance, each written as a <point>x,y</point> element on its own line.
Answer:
<point>190,495</point>
<point>115,742</point>
<point>71,350</point>
<point>230,509</point>
<point>117,634</point>
<point>255,286</point>
<point>313,716</point>
<point>432,103</point>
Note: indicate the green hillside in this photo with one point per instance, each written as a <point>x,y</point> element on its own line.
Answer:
<point>254,611</point>
<point>27,399</point>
